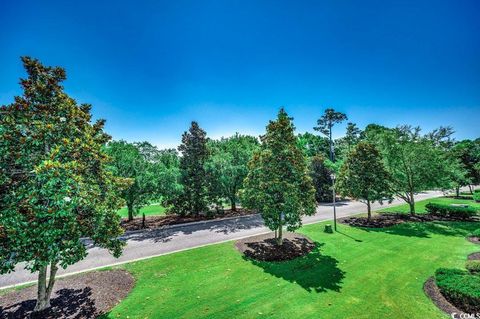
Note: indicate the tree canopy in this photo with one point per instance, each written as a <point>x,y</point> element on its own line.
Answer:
<point>227,166</point>
<point>192,196</point>
<point>56,186</point>
<point>363,176</point>
<point>414,161</point>
<point>278,184</point>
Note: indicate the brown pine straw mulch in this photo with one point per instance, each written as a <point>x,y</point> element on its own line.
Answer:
<point>475,240</point>
<point>433,292</point>
<point>264,247</point>
<point>81,296</point>
<point>474,256</point>
<point>392,219</point>
<point>152,222</point>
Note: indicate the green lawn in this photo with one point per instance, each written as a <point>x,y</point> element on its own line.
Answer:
<point>150,210</point>
<point>356,273</point>
<point>420,205</point>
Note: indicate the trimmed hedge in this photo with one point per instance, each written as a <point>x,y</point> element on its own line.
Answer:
<point>473,266</point>
<point>455,212</point>
<point>475,233</point>
<point>459,287</point>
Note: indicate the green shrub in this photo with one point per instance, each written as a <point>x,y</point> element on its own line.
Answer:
<point>456,212</point>
<point>473,266</point>
<point>459,287</point>
<point>475,233</point>
<point>476,195</point>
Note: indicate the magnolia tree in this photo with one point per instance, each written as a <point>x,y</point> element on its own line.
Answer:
<point>278,184</point>
<point>191,197</point>
<point>55,184</point>
<point>364,177</point>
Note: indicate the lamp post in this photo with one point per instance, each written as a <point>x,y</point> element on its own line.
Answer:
<point>332,176</point>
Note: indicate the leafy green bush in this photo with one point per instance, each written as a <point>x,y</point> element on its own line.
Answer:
<point>475,233</point>
<point>459,287</point>
<point>476,195</point>
<point>473,266</point>
<point>456,212</point>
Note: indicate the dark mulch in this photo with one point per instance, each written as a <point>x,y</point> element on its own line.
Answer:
<point>433,292</point>
<point>474,256</point>
<point>82,296</point>
<point>391,219</point>
<point>265,248</point>
<point>475,240</point>
<point>174,219</point>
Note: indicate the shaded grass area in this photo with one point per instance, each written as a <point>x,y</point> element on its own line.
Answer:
<point>150,210</point>
<point>420,205</point>
<point>355,273</point>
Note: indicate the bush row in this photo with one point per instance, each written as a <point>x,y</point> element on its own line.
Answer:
<point>456,212</point>
<point>460,287</point>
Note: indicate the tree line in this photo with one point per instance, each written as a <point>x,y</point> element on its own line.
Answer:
<point>63,179</point>
<point>374,164</point>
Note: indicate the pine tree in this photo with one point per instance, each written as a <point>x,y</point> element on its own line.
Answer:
<point>278,184</point>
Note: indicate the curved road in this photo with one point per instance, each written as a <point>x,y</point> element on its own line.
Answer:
<point>150,243</point>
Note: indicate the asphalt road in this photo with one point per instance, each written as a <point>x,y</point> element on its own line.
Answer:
<point>150,243</point>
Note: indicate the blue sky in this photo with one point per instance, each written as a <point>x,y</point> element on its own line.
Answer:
<point>150,67</point>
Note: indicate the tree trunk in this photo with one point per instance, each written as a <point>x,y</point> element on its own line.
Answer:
<point>233,204</point>
<point>412,204</point>
<point>44,291</point>
<point>457,191</point>
<point>332,154</point>
<point>280,238</point>
<point>471,189</point>
<point>143,220</point>
<point>369,210</point>
<point>130,212</point>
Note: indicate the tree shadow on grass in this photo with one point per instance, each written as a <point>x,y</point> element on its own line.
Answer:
<point>314,272</point>
<point>68,303</point>
<point>426,229</point>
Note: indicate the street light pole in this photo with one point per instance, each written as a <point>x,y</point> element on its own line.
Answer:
<point>334,203</point>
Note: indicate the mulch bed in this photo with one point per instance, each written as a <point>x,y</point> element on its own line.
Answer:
<point>81,296</point>
<point>475,240</point>
<point>391,219</point>
<point>474,256</point>
<point>264,247</point>
<point>433,292</point>
<point>173,219</point>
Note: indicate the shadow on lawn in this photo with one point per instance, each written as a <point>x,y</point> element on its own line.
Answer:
<point>217,226</point>
<point>426,229</point>
<point>69,303</point>
<point>314,272</point>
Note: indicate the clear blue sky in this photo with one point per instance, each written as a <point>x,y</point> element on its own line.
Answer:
<point>150,67</point>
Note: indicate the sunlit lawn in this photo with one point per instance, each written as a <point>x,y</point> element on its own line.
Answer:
<point>420,205</point>
<point>150,210</point>
<point>355,273</point>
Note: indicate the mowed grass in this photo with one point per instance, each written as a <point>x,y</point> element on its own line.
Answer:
<point>420,205</point>
<point>355,273</point>
<point>150,210</point>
